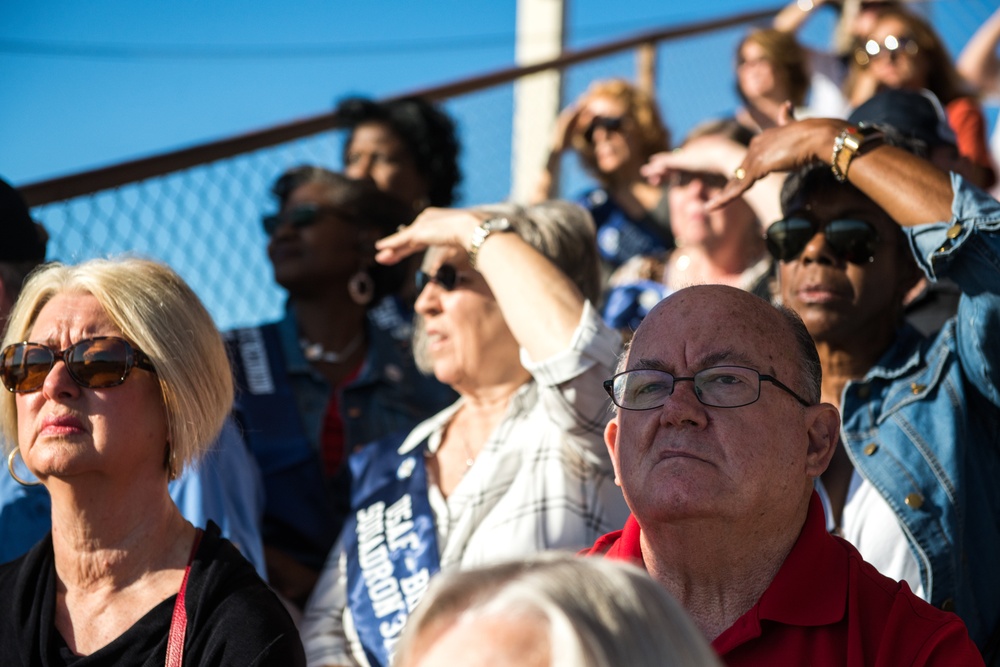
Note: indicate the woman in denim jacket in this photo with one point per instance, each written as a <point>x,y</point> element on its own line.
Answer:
<point>915,486</point>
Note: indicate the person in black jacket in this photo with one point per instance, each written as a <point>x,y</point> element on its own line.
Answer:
<point>117,379</point>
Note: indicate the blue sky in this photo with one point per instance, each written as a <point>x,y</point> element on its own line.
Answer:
<point>86,84</point>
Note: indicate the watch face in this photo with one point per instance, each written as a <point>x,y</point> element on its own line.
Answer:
<point>497,224</point>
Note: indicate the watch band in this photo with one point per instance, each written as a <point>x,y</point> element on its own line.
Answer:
<point>482,232</point>
<point>849,144</point>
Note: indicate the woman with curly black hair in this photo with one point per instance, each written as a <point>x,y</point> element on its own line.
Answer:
<point>407,146</point>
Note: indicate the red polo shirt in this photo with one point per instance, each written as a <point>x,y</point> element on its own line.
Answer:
<point>827,606</point>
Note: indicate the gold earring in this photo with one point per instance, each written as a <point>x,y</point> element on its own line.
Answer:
<point>10,469</point>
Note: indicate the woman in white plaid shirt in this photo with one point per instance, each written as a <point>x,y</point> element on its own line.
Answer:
<point>517,465</point>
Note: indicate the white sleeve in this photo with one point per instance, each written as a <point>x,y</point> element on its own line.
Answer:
<point>322,627</point>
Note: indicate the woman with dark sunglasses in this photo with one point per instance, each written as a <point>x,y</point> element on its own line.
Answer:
<point>913,484</point>
<point>614,128</point>
<point>517,464</point>
<point>902,50</point>
<point>117,380</point>
<point>335,373</point>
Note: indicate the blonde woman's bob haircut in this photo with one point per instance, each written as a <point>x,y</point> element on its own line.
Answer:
<point>158,313</point>
<point>595,613</point>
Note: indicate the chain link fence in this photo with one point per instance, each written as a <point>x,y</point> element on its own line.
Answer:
<point>205,221</point>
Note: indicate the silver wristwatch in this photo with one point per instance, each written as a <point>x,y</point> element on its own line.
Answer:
<point>482,232</point>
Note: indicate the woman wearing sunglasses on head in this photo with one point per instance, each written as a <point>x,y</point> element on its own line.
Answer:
<point>913,483</point>
<point>517,464</point>
<point>902,50</point>
<point>614,128</point>
<point>335,373</point>
<point>117,379</point>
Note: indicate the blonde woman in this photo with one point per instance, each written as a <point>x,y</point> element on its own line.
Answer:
<point>117,380</point>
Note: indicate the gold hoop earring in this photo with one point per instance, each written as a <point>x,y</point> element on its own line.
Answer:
<point>10,469</point>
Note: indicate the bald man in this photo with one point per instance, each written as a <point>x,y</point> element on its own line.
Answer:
<point>718,438</point>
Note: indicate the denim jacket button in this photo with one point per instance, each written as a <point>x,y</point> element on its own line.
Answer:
<point>954,231</point>
<point>917,388</point>
<point>914,501</point>
<point>870,448</point>
<point>948,605</point>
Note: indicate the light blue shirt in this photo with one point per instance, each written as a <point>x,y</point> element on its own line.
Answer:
<point>224,486</point>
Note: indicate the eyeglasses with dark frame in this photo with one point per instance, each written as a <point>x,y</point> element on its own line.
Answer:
<point>608,123</point>
<point>93,363</point>
<point>299,217</point>
<point>854,241</point>
<point>446,277</point>
<point>717,387</point>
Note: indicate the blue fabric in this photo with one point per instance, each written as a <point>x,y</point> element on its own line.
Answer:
<point>25,515</point>
<point>627,305</point>
<point>620,236</point>
<point>390,541</point>
<point>300,512</point>
<point>224,487</point>
<point>282,404</point>
<point>932,408</point>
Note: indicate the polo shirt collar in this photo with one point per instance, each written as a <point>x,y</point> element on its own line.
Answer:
<point>810,589</point>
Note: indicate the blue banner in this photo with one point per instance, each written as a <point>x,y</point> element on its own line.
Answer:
<point>390,541</point>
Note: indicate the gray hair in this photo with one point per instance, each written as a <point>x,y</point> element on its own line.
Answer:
<point>563,232</point>
<point>810,368</point>
<point>597,612</point>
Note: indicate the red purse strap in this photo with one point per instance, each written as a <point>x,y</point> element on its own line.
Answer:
<point>178,623</point>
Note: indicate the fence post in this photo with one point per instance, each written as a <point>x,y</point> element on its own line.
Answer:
<point>538,97</point>
<point>646,68</point>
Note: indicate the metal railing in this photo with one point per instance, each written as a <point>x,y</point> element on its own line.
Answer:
<point>198,209</point>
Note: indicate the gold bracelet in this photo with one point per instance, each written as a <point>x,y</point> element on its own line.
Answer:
<point>849,144</point>
<point>844,147</point>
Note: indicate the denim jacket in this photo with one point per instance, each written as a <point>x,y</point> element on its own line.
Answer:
<point>281,404</point>
<point>923,426</point>
<point>388,395</point>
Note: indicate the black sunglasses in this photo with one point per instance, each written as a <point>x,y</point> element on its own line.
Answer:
<point>94,363</point>
<point>446,277</point>
<point>608,123</point>
<point>298,217</point>
<point>852,240</point>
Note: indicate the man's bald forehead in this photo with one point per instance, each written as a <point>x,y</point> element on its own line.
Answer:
<point>733,313</point>
<point>722,298</point>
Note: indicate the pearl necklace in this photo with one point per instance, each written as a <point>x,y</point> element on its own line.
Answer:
<point>314,352</point>
<point>469,458</point>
